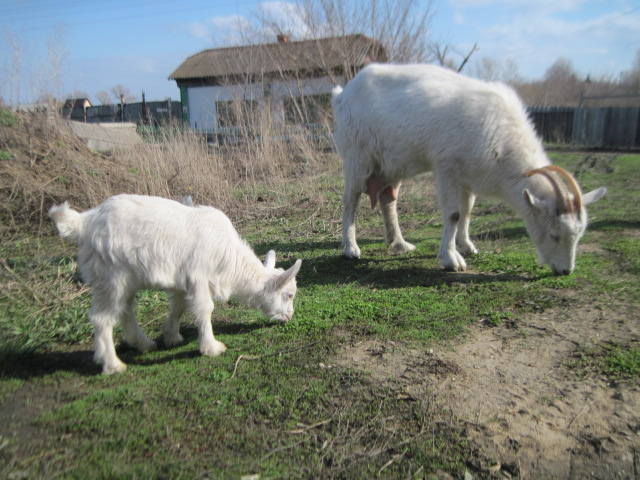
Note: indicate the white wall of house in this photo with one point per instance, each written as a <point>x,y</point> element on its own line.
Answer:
<point>202,100</point>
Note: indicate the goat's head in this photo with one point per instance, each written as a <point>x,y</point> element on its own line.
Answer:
<point>276,298</point>
<point>557,222</point>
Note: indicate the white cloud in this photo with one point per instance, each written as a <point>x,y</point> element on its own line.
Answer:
<point>288,16</point>
<point>231,29</point>
<point>596,42</point>
<point>219,30</point>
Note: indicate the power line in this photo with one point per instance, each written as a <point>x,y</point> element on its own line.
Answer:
<point>136,17</point>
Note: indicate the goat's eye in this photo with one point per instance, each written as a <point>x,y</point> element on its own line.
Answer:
<point>555,238</point>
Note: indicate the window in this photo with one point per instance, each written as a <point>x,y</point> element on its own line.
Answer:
<point>236,113</point>
<point>307,109</point>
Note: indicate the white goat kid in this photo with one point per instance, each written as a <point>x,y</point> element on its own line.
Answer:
<point>395,121</point>
<point>132,242</point>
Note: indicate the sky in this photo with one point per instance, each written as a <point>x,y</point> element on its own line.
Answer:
<point>67,46</point>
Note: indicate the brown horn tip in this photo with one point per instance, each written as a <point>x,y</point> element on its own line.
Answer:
<point>562,200</point>
<point>571,182</point>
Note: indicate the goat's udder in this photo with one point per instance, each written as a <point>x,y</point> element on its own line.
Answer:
<point>377,187</point>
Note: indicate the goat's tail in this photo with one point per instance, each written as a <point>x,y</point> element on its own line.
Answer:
<point>67,220</point>
<point>335,94</point>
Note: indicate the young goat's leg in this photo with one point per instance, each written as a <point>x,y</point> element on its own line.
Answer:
<point>171,329</point>
<point>350,201</point>
<point>132,332</point>
<point>200,304</point>
<point>393,235</point>
<point>448,197</point>
<point>464,243</point>
<point>104,313</point>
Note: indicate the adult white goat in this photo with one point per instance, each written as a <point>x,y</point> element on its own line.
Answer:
<point>395,121</point>
<point>133,242</point>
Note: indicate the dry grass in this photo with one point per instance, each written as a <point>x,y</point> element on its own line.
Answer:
<point>44,163</point>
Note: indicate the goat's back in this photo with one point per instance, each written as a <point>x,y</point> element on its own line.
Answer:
<point>402,115</point>
<point>154,241</point>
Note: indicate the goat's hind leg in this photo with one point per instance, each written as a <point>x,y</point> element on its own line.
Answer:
<point>133,334</point>
<point>448,197</point>
<point>105,310</point>
<point>171,329</point>
<point>464,243</point>
<point>389,206</point>
<point>350,201</point>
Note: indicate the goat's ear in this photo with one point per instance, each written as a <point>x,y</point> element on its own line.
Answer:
<point>594,195</point>
<point>533,201</point>
<point>285,277</point>
<point>270,259</point>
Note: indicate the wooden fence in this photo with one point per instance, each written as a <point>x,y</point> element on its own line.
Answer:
<point>601,127</point>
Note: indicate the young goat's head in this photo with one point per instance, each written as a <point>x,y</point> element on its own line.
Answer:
<point>557,222</point>
<point>276,298</point>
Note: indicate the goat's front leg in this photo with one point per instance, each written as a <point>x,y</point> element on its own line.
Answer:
<point>389,206</point>
<point>448,197</point>
<point>350,201</point>
<point>171,330</point>
<point>200,304</point>
<point>464,243</point>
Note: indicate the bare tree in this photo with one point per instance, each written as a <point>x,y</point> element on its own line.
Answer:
<point>14,68</point>
<point>103,97</point>
<point>122,94</point>
<point>487,68</point>
<point>492,70</point>
<point>402,26</point>
<point>631,78</point>
<point>561,84</point>
<point>443,55</point>
<point>53,83</point>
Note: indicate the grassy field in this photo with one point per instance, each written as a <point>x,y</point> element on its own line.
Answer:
<point>282,402</point>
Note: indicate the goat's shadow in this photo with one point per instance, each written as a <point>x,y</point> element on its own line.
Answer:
<point>614,224</point>
<point>27,365</point>
<point>406,271</point>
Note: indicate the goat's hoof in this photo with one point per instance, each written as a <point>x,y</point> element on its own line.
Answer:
<point>116,367</point>
<point>351,252</point>
<point>468,249</point>
<point>172,340</point>
<point>213,349</point>
<point>454,263</point>
<point>398,248</point>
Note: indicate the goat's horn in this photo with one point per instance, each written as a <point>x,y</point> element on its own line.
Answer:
<point>556,187</point>
<point>571,182</point>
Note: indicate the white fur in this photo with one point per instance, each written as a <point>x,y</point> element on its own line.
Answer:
<point>395,121</point>
<point>133,242</point>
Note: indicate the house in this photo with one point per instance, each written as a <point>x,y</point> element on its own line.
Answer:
<point>76,109</point>
<point>290,81</point>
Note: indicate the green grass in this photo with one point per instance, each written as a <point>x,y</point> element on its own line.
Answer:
<point>268,406</point>
<point>7,118</point>
<point>614,361</point>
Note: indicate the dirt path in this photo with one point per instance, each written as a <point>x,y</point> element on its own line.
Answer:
<point>517,390</point>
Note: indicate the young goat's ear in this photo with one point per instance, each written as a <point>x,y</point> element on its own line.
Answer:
<point>270,259</point>
<point>285,277</point>
<point>533,201</point>
<point>594,195</point>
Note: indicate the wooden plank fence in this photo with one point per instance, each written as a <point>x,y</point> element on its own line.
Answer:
<point>601,127</point>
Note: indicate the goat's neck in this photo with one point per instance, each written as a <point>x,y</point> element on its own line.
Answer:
<point>514,192</point>
<point>250,283</point>
<point>245,282</point>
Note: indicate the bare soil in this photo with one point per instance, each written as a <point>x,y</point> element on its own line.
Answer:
<point>517,389</point>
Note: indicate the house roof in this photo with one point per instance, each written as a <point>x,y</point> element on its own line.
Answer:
<point>77,103</point>
<point>284,56</point>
